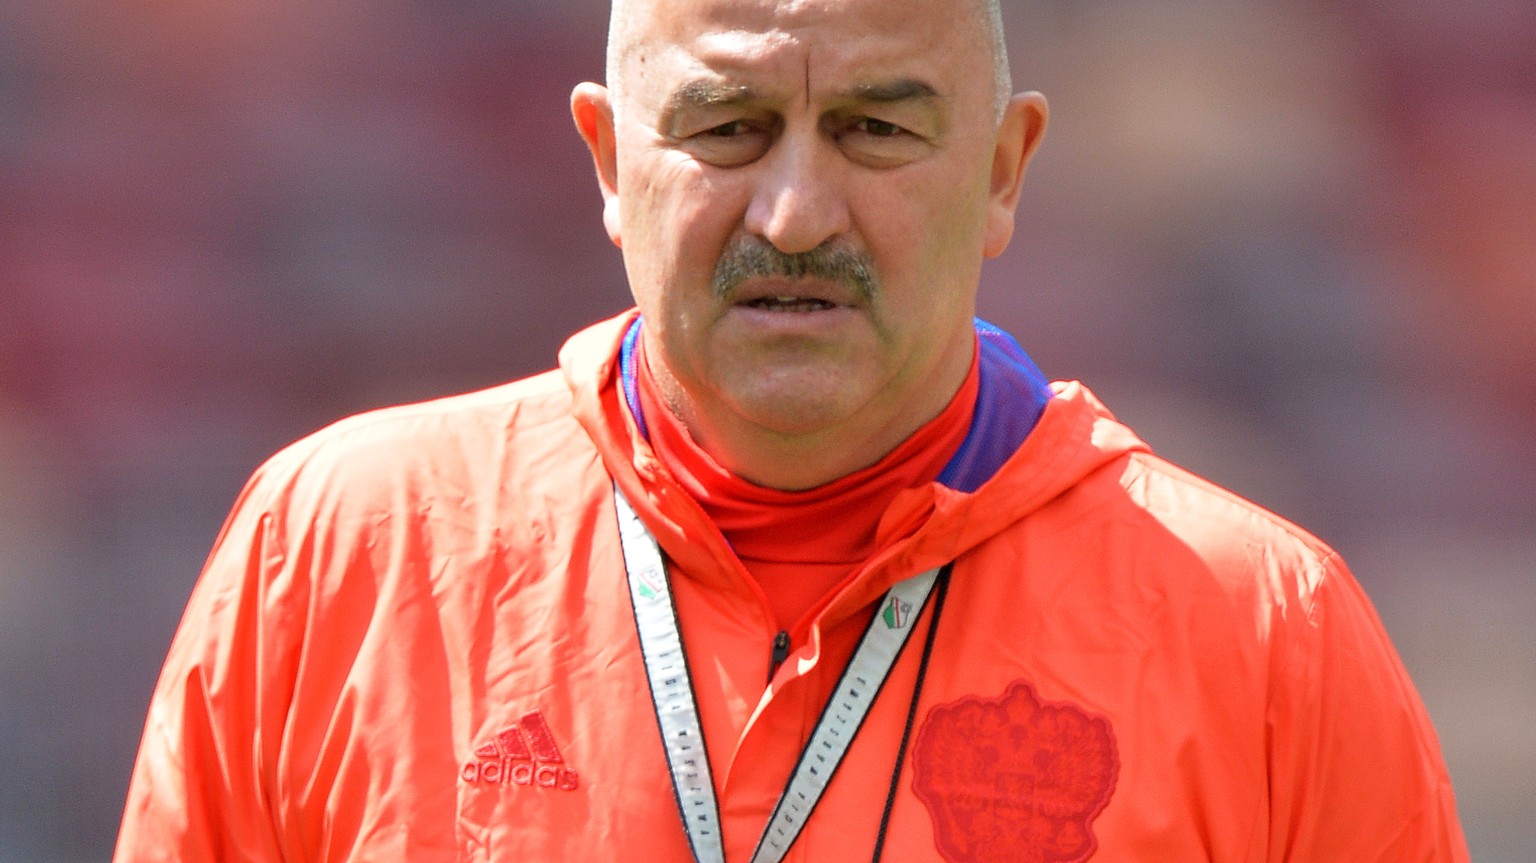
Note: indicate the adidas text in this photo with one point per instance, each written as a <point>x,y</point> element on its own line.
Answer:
<point>521,754</point>
<point>509,772</point>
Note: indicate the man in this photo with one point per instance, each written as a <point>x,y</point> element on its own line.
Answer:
<point>799,562</point>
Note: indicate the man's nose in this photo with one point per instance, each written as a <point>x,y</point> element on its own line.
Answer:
<point>800,200</point>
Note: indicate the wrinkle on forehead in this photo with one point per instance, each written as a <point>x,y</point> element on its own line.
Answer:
<point>719,36</point>
<point>723,67</point>
<point>703,48</point>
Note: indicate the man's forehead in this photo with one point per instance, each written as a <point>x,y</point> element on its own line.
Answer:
<point>654,24</point>
<point>666,44</point>
<point>672,17</point>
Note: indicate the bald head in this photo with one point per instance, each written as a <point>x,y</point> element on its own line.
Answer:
<point>628,19</point>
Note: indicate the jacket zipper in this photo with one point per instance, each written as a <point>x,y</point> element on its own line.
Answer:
<point>778,654</point>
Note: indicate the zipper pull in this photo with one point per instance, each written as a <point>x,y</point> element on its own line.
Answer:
<point>779,653</point>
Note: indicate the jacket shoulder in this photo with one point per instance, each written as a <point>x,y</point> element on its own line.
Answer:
<point>1176,495</point>
<point>1181,498</point>
<point>1241,544</point>
<point>507,408</point>
<point>463,446</point>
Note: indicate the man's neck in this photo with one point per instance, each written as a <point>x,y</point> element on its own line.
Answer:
<point>800,545</point>
<point>797,461</point>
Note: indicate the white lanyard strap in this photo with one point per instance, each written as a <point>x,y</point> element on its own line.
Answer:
<point>677,712</point>
<point>845,712</point>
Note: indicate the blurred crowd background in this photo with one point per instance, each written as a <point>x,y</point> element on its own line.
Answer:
<point>1293,242</point>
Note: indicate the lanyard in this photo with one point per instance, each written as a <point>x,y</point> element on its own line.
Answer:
<point>677,710</point>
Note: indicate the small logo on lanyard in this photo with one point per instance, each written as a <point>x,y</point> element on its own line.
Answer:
<point>897,614</point>
<point>650,583</point>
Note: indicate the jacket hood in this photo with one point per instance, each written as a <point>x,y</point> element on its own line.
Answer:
<point>1030,442</point>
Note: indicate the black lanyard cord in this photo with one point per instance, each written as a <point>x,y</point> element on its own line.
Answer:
<point>917,692</point>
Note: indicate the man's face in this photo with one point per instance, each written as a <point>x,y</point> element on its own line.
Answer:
<point>804,192</point>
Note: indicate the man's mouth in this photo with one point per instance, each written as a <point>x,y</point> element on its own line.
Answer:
<point>790,304</point>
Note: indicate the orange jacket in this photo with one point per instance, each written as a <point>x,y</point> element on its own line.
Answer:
<point>414,641</point>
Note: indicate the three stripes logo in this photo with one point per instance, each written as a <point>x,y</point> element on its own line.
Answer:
<point>521,754</point>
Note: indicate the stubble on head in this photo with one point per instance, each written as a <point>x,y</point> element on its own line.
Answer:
<point>628,19</point>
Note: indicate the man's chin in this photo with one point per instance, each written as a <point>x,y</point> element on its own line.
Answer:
<point>800,402</point>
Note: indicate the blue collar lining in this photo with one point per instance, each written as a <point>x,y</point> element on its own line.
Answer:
<point>1011,395</point>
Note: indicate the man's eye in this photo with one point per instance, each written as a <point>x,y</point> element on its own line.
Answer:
<point>878,128</point>
<point>728,130</point>
<point>729,144</point>
<point>877,143</point>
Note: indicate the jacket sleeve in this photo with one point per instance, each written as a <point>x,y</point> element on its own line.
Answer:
<point>200,788</point>
<point>1356,774</point>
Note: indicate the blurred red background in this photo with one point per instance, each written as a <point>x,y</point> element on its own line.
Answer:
<point>1290,241</point>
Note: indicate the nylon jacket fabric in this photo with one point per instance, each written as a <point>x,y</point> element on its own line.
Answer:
<point>413,641</point>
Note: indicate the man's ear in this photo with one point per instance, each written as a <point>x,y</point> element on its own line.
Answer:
<point>1022,129</point>
<point>593,112</point>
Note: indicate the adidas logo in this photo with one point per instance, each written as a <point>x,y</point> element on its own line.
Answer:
<point>521,754</point>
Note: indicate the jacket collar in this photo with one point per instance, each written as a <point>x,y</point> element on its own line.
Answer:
<point>1030,442</point>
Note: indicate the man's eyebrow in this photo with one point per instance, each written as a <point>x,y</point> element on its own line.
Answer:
<point>705,94</point>
<point>899,90</point>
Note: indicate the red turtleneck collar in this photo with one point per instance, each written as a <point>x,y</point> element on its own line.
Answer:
<point>800,545</point>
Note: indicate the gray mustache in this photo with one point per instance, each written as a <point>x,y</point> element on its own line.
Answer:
<point>754,259</point>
